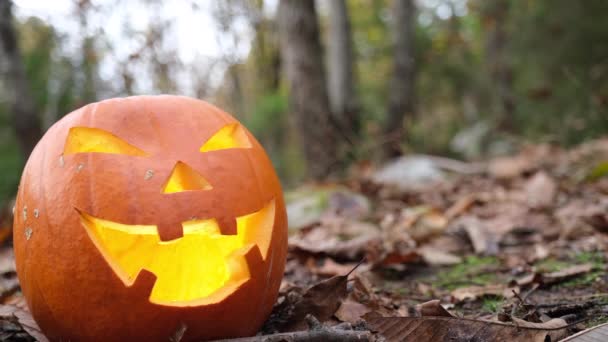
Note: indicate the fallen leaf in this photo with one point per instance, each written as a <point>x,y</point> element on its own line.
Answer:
<point>599,333</point>
<point>552,326</point>
<point>395,258</point>
<point>455,329</point>
<point>351,311</point>
<point>349,204</point>
<point>528,279</point>
<point>7,261</point>
<point>598,221</point>
<point>437,257</point>
<point>474,292</point>
<point>567,273</point>
<point>461,206</point>
<point>540,190</point>
<point>361,300</point>
<point>482,240</point>
<point>337,237</point>
<point>432,308</point>
<point>423,223</point>
<point>408,172</point>
<point>509,167</point>
<point>329,267</point>
<point>321,300</point>
<point>24,319</point>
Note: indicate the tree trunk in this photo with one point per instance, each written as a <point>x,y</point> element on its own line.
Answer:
<point>308,101</point>
<point>495,17</point>
<point>25,118</point>
<point>401,94</point>
<point>340,72</point>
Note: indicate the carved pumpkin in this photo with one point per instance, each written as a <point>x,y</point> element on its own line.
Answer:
<point>139,218</point>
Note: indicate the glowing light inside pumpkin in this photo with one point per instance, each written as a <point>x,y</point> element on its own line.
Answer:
<point>201,264</point>
<point>184,178</point>
<point>229,136</point>
<point>86,139</point>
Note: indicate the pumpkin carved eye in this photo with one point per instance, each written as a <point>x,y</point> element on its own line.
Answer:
<point>229,136</point>
<point>86,140</point>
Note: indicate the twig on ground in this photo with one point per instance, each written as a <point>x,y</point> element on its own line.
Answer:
<point>317,332</point>
<point>522,300</point>
<point>321,334</point>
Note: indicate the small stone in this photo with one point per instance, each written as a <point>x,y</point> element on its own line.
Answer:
<point>80,167</point>
<point>36,213</point>
<point>61,161</point>
<point>149,174</point>
<point>28,233</point>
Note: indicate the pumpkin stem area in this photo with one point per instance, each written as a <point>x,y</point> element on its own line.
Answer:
<point>201,263</point>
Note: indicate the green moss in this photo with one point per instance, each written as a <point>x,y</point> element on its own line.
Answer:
<point>469,272</point>
<point>492,304</point>
<point>596,259</point>
<point>582,280</point>
<point>597,320</point>
<point>552,265</point>
<point>599,171</point>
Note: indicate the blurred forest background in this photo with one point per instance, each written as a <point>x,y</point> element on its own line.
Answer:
<point>324,85</point>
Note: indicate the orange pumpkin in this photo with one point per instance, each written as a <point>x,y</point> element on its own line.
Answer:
<point>140,217</point>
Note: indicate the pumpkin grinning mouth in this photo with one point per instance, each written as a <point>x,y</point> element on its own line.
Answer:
<point>196,267</point>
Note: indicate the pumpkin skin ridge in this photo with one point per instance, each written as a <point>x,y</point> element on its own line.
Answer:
<point>129,324</point>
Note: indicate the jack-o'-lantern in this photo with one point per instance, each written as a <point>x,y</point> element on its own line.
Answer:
<point>143,218</point>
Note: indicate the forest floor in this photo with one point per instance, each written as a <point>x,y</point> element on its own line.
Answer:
<point>432,249</point>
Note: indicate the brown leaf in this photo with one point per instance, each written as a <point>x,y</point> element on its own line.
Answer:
<point>482,240</point>
<point>552,326</point>
<point>329,268</point>
<point>541,190</point>
<point>7,261</point>
<point>567,273</point>
<point>453,329</point>
<point>360,301</point>
<point>437,257</point>
<point>24,318</point>
<point>338,238</point>
<point>396,257</point>
<point>461,206</point>
<point>351,311</point>
<point>598,221</point>
<point>474,292</point>
<point>598,333</point>
<point>320,300</point>
<point>426,223</point>
<point>509,167</point>
<point>528,279</point>
<point>432,308</point>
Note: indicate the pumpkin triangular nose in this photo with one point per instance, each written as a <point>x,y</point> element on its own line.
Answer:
<point>184,178</point>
